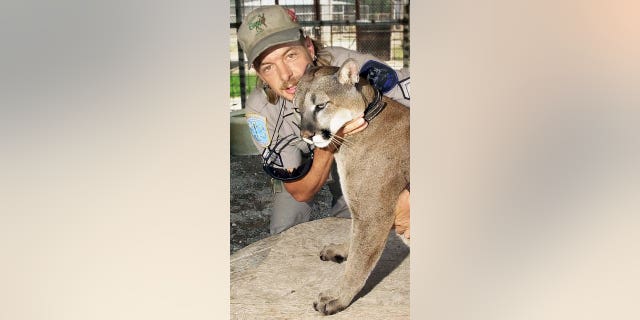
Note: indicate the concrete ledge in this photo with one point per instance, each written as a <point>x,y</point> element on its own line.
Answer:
<point>279,277</point>
<point>240,143</point>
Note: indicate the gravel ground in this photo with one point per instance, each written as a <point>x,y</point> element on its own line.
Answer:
<point>251,201</point>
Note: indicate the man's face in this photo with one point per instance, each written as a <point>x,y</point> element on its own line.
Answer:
<point>282,67</point>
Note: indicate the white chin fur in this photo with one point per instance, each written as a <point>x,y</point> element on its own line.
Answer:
<point>339,119</point>
<point>320,142</point>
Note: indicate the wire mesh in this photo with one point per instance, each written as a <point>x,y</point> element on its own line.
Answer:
<point>378,27</point>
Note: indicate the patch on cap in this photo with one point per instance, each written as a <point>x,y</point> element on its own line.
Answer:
<point>258,23</point>
<point>292,14</point>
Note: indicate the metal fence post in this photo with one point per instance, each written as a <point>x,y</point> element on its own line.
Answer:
<point>241,71</point>
<point>405,37</point>
<point>317,29</point>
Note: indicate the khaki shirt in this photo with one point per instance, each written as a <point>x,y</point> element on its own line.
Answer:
<point>276,126</point>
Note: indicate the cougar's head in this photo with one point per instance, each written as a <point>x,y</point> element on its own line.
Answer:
<point>327,98</point>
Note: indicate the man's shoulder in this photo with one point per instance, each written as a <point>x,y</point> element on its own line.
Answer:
<point>340,54</point>
<point>257,102</point>
<point>339,50</point>
<point>393,83</point>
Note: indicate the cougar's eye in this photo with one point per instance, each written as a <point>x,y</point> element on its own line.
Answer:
<point>321,106</point>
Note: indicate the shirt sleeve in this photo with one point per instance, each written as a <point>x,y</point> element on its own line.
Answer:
<point>292,155</point>
<point>260,121</point>
<point>281,148</point>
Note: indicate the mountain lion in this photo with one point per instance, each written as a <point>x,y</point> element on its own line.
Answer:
<point>373,166</point>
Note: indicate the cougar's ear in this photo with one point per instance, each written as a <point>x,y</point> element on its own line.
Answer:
<point>348,73</point>
<point>308,69</point>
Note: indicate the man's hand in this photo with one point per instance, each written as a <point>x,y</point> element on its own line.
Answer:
<point>354,126</point>
<point>402,211</point>
<point>304,189</point>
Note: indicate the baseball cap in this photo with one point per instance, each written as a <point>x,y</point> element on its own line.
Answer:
<point>265,27</point>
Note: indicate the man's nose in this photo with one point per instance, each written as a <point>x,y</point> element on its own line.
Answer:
<point>285,72</point>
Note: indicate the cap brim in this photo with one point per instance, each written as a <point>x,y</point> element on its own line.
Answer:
<point>277,38</point>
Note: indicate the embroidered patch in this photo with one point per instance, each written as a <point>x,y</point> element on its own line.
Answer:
<point>258,127</point>
<point>292,15</point>
<point>259,23</point>
<point>380,75</point>
<point>405,86</point>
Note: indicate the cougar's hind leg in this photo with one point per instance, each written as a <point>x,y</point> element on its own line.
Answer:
<point>368,239</point>
<point>335,252</point>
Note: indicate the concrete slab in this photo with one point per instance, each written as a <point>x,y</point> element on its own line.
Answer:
<point>279,277</point>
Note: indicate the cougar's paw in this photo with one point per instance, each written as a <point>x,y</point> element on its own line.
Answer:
<point>334,252</point>
<point>327,304</point>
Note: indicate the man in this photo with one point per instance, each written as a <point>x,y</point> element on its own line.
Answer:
<point>276,47</point>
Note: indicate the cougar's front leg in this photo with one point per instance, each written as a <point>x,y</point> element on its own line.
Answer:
<point>368,238</point>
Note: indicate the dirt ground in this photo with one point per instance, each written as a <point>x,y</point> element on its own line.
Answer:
<point>251,201</point>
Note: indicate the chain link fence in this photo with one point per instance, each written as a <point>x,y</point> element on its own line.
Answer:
<point>378,27</point>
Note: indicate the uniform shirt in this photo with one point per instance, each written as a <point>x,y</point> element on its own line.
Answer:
<point>276,126</point>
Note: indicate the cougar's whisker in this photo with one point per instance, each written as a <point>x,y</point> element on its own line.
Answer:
<point>343,139</point>
<point>337,141</point>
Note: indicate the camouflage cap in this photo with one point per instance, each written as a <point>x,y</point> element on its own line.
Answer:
<point>265,27</point>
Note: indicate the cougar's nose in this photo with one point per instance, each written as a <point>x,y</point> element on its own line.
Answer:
<point>306,136</point>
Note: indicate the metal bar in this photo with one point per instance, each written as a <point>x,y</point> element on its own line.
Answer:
<point>241,71</point>
<point>405,37</point>
<point>316,7</point>
<point>341,23</point>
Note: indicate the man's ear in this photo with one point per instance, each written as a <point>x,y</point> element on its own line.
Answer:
<point>348,73</point>
<point>272,97</point>
<point>309,45</point>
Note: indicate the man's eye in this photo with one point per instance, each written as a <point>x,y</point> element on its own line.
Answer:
<point>292,56</point>
<point>266,68</point>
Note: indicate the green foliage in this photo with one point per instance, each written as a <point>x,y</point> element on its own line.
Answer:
<point>234,82</point>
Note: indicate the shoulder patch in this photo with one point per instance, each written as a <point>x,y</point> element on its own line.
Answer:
<point>405,86</point>
<point>380,75</point>
<point>258,127</point>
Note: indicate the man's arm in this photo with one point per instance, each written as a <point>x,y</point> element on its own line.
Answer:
<point>403,214</point>
<point>304,189</point>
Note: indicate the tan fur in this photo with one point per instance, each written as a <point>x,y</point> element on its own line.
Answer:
<point>373,165</point>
